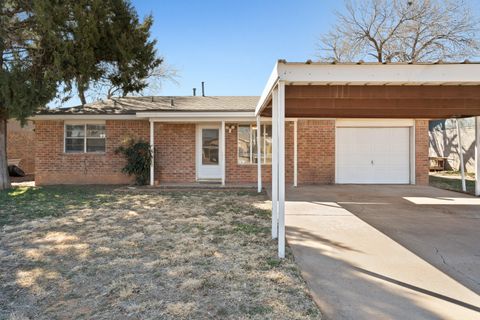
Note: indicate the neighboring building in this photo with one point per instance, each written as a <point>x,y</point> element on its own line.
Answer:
<point>444,142</point>
<point>21,145</point>
<point>344,123</point>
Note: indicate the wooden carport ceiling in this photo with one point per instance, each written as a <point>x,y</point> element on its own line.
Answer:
<point>380,101</point>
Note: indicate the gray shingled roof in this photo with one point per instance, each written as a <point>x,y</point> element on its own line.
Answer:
<point>132,105</point>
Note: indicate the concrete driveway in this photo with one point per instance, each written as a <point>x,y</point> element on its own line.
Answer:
<point>387,252</point>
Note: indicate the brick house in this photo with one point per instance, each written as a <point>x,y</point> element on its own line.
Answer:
<point>354,123</point>
<point>77,145</point>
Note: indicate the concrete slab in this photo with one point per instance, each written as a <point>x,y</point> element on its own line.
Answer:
<point>367,252</point>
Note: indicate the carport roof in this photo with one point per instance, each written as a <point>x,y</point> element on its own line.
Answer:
<point>375,90</point>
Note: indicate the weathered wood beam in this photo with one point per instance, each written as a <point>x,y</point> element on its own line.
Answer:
<point>386,92</point>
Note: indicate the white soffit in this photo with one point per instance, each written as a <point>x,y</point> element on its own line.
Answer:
<point>197,116</point>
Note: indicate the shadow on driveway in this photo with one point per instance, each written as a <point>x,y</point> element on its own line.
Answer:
<point>369,253</point>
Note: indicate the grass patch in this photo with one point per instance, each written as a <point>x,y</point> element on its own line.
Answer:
<point>263,213</point>
<point>22,203</point>
<point>251,228</point>
<point>451,183</point>
<point>273,262</point>
<point>106,253</point>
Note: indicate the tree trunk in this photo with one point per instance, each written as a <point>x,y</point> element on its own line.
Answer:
<point>81,90</point>
<point>81,95</point>
<point>4,177</point>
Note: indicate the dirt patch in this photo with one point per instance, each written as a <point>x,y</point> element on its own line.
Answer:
<point>167,255</point>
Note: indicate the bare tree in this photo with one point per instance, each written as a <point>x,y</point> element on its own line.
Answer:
<point>154,80</point>
<point>402,31</point>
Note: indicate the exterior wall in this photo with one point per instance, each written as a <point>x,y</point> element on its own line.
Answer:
<point>21,144</point>
<point>175,160</point>
<point>54,166</point>
<point>175,153</point>
<point>316,151</point>
<point>316,155</point>
<point>421,152</point>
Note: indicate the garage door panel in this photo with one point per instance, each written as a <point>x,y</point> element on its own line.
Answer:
<point>373,155</point>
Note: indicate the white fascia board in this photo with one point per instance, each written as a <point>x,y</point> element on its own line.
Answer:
<point>83,117</point>
<point>204,120</point>
<point>196,116</point>
<point>267,91</point>
<point>367,74</point>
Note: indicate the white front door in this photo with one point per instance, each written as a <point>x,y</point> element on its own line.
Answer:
<point>373,155</point>
<point>208,152</point>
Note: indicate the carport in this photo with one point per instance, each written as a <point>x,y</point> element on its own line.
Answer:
<point>363,98</point>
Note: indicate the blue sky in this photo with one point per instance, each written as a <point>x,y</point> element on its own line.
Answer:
<point>233,45</point>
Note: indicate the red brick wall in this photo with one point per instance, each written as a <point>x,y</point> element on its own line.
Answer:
<point>175,153</point>
<point>21,145</point>
<point>421,152</point>
<point>316,151</point>
<point>316,155</point>
<point>53,166</point>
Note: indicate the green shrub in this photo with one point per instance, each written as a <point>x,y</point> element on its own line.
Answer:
<point>139,158</point>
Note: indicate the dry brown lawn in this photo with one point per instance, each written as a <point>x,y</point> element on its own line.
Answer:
<point>117,254</point>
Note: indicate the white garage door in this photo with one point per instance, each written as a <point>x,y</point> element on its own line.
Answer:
<point>373,155</point>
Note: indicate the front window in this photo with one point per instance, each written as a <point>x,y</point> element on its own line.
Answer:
<point>247,144</point>
<point>85,138</point>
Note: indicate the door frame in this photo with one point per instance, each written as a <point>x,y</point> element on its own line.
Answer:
<point>379,123</point>
<point>198,148</point>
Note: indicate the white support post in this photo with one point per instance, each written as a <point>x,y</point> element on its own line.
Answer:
<point>295,153</point>
<point>274,164</point>
<point>281,169</point>
<point>460,153</point>
<point>152,148</point>
<point>259,155</point>
<point>222,139</point>
<point>477,156</point>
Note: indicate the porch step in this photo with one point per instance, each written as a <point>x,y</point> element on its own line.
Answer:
<point>209,181</point>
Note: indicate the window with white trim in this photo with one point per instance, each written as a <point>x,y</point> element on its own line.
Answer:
<point>86,137</point>
<point>247,143</point>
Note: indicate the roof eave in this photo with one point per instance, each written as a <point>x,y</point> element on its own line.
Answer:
<point>267,91</point>
<point>197,114</point>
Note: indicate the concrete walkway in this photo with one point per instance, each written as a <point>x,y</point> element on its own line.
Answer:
<point>387,252</point>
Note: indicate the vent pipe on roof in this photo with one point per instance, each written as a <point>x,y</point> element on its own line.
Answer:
<point>194,92</point>
<point>203,88</point>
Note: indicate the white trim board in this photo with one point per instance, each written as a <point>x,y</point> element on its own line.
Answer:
<point>83,117</point>
<point>203,120</point>
<point>196,115</point>
<point>374,123</point>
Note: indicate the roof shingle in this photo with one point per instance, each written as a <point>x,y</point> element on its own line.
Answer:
<point>132,105</point>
